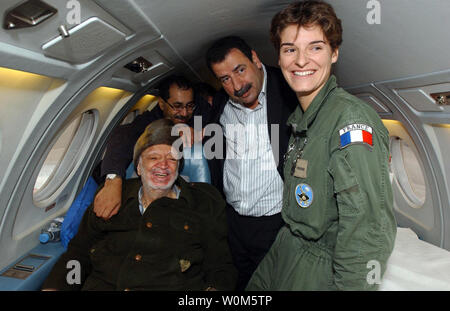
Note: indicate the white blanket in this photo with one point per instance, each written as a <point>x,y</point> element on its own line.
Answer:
<point>416,265</point>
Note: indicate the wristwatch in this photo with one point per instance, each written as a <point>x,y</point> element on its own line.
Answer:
<point>111,176</point>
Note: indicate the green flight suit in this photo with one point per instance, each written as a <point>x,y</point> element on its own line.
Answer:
<point>337,205</point>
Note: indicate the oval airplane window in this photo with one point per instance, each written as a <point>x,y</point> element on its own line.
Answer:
<point>406,169</point>
<point>66,152</point>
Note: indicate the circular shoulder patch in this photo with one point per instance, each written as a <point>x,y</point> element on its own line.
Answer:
<point>304,195</point>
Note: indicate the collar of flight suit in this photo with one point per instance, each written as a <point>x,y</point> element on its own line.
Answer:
<point>299,121</point>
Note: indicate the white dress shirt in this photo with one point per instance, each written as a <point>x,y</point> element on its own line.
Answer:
<point>252,184</point>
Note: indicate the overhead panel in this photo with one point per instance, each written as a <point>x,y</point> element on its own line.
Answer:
<point>425,98</point>
<point>154,71</point>
<point>84,41</point>
<point>33,38</point>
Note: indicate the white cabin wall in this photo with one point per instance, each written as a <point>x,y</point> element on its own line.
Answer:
<point>39,115</point>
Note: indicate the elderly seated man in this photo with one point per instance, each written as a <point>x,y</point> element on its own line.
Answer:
<point>167,235</point>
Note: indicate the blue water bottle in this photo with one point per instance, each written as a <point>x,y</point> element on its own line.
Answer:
<point>52,233</point>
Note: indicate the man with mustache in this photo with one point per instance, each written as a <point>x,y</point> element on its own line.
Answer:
<point>176,102</point>
<point>168,234</point>
<point>250,177</point>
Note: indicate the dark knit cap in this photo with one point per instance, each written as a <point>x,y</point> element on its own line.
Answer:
<point>156,133</point>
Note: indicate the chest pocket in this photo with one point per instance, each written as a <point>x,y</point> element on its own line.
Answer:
<point>307,195</point>
<point>184,233</point>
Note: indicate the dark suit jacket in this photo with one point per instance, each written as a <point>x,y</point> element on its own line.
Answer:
<point>281,102</point>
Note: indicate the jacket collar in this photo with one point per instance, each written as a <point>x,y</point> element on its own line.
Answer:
<point>185,191</point>
<point>135,184</point>
<point>133,193</point>
<point>299,120</point>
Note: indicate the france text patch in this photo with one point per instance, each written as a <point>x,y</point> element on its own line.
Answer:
<point>356,134</point>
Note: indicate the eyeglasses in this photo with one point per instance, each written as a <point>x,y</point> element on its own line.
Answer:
<point>179,107</point>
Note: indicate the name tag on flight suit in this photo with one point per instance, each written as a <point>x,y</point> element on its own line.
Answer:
<point>301,167</point>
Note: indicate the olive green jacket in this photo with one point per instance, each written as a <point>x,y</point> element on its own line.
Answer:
<point>177,244</point>
<point>349,208</point>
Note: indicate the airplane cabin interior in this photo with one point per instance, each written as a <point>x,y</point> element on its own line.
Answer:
<point>71,71</point>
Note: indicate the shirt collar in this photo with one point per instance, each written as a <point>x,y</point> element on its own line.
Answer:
<point>264,86</point>
<point>175,188</point>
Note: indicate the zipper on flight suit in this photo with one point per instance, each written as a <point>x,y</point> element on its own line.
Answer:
<point>294,146</point>
<point>299,155</point>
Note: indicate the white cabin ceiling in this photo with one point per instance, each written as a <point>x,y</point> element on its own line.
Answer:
<point>411,40</point>
<point>370,53</point>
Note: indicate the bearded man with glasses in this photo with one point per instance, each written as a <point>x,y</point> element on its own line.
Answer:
<point>175,102</point>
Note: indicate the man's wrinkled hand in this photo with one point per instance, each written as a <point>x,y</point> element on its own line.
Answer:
<point>108,200</point>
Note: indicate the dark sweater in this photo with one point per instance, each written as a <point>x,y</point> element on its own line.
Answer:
<point>177,244</point>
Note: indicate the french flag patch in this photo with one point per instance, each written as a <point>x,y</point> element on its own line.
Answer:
<point>356,134</point>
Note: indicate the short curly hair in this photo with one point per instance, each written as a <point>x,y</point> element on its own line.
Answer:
<point>308,13</point>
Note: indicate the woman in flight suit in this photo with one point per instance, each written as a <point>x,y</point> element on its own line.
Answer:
<point>337,201</point>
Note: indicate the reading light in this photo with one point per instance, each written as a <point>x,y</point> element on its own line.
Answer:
<point>28,14</point>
